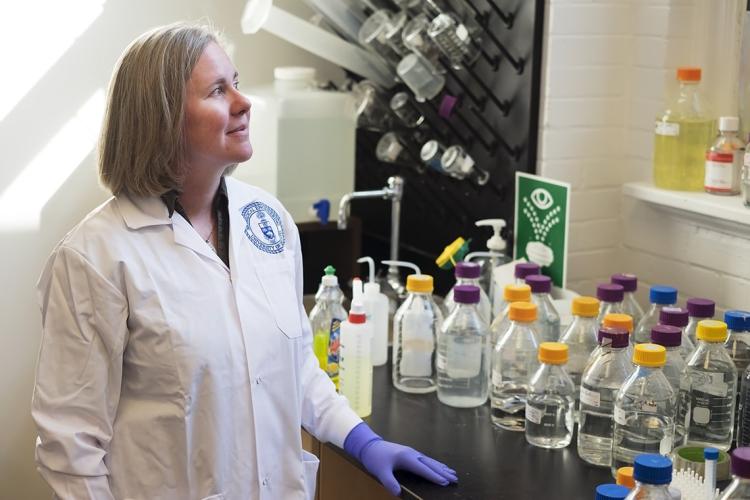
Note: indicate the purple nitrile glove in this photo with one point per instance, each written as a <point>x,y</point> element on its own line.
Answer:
<point>381,458</point>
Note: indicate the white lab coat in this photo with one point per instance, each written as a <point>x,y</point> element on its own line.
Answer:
<point>163,374</point>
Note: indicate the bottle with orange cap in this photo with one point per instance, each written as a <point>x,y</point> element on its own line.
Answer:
<point>601,380</point>
<point>683,133</point>
<point>624,477</point>
<point>514,360</point>
<point>415,328</point>
<point>550,406</point>
<point>712,385</point>
<point>644,409</point>
<point>511,293</point>
<point>581,337</point>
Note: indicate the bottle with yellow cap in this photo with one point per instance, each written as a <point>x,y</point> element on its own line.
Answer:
<point>463,356</point>
<point>645,407</point>
<point>581,337</point>
<point>711,386</point>
<point>511,293</point>
<point>600,382</point>
<point>415,327</point>
<point>514,360</point>
<point>550,406</point>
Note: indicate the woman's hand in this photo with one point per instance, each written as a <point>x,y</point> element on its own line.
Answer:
<point>381,458</point>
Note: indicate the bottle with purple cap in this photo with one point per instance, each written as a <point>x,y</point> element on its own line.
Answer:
<point>678,317</point>
<point>524,269</point>
<point>739,488</point>
<point>468,273</point>
<point>670,337</point>
<point>548,319</point>
<point>463,357</point>
<point>698,310</point>
<point>610,295</point>
<point>660,297</point>
<point>600,382</point>
<point>630,305</point>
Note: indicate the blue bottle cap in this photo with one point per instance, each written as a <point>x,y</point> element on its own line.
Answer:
<point>710,453</point>
<point>652,469</point>
<point>611,492</point>
<point>663,295</point>
<point>737,320</point>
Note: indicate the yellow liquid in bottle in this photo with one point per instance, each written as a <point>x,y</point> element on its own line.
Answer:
<point>680,147</point>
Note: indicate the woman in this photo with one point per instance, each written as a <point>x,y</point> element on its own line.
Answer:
<point>176,358</point>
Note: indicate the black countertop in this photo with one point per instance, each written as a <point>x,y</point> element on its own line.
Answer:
<point>491,463</point>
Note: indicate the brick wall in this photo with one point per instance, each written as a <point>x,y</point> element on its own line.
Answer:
<point>609,65</point>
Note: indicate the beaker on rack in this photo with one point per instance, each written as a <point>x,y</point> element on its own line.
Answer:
<point>394,148</point>
<point>458,163</point>
<point>460,9</point>
<point>371,106</point>
<point>431,154</point>
<point>454,40</point>
<point>406,110</point>
<point>416,39</point>
<point>381,33</point>
<point>420,76</point>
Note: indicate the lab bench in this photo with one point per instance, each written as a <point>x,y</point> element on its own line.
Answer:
<point>490,463</point>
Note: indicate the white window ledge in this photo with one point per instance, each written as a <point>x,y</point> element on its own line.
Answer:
<point>725,212</point>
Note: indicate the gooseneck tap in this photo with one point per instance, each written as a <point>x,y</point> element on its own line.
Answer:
<point>394,191</point>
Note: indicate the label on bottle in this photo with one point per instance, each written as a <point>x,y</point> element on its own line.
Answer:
<point>464,357</point>
<point>648,407</point>
<point>714,385</point>
<point>497,377</point>
<point>619,415</point>
<point>722,171</point>
<point>665,445</point>
<point>417,344</point>
<point>534,415</point>
<point>334,345</point>
<point>667,128</point>
<point>589,397</point>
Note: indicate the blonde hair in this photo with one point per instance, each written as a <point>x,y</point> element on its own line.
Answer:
<point>142,143</point>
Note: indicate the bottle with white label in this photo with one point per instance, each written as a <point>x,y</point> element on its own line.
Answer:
<point>712,384</point>
<point>600,382</point>
<point>670,337</point>
<point>415,327</point>
<point>660,297</point>
<point>551,403</point>
<point>724,159</point>
<point>514,360</point>
<point>679,317</point>
<point>355,378</point>
<point>644,409</point>
<point>548,319</point>
<point>581,337</point>
<point>511,294</point>
<point>630,306</point>
<point>463,358</point>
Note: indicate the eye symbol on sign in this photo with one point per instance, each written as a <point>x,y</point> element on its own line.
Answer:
<point>541,198</point>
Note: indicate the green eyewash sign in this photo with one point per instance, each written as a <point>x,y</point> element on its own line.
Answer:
<point>541,224</point>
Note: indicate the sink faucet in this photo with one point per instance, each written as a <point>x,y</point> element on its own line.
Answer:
<point>394,191</point>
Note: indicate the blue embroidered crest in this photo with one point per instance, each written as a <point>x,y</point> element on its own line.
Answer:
<point>263,227</point>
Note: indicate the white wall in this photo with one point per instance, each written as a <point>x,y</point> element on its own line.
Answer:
<point>610,64</point>
<point>48,94</point>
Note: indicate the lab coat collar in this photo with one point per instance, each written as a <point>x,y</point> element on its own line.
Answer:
<point>142,211</point>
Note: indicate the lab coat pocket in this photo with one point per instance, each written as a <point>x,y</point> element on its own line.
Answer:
<point>310,469</point>
<point>278,284</point>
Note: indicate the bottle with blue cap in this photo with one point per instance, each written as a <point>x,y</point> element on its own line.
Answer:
<point>660,297</point>
<point>738,338</point>
<point>743,417</point>
<point>611,492</point>
<point>652,474</point>
<point>712,383</point>
<point>463,356</point>
<point>645,409</point>
<point>739,488</point>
